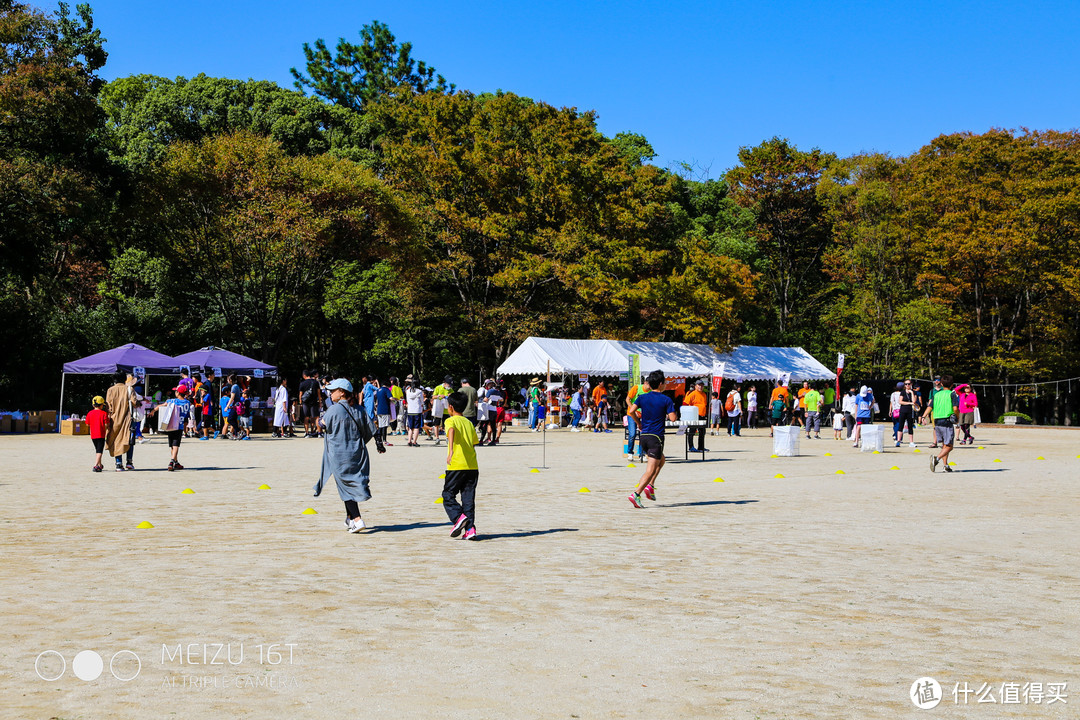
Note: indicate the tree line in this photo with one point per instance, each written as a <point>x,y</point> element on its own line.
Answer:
<point>376,217</point>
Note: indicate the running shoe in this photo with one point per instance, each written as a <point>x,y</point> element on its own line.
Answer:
<point>98,468</point>
<point>356,526</point>
<point>119,468</point>
<point>947,468</point>
<point>470,534</point>
<point>635,500</point>
<point>179,466</point>
<point>459,525</point>
<point>172,466</point>
<point>911,444</point>
<point>204,437</point>
<point>933,463</point>
<point>129,467</point>
<point>650,493</point>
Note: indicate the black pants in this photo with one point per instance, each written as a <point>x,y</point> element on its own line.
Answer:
<point>690,437</point>
<point>463,482</point>
<point>352,509</point>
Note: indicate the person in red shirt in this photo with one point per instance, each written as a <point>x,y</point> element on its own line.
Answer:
<point>98,422</point>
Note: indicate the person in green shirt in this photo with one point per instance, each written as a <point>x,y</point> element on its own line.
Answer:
<point>944,406</point>
<point>813,400</point>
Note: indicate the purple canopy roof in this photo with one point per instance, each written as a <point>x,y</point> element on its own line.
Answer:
<point>211,357</point>
<point>124,358</point>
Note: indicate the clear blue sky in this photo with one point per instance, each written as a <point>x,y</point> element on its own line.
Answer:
<point>698,79</point>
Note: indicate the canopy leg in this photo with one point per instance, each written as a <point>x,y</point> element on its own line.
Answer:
<point>60,413</point>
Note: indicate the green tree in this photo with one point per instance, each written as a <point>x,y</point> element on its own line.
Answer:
<point>358,74</point>
<point>778,182</point>
<point>147,113</point>
<point>258,232</point>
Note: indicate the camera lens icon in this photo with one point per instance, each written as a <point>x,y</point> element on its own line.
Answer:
<point>88,665</point>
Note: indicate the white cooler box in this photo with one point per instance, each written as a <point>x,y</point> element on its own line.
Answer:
<point>786,440</point>
<point>872,437</point>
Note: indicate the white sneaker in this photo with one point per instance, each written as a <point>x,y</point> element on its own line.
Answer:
<point>356,526</point>
<point>911,445</point>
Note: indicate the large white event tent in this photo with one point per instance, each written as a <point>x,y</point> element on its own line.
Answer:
<point>608,358</point>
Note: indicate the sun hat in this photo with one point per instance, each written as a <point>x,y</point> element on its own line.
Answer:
<point>535,381</point>
<point>340,384</point>
<point>98,400</point>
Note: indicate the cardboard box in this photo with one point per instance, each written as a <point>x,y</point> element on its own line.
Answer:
<point>33,425</point>
<point>5,424</point>
<point>74,427</point>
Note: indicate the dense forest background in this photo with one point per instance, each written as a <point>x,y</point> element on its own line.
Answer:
<point>379,218</point>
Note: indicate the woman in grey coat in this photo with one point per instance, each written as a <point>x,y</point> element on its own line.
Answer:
<point>345,455</point>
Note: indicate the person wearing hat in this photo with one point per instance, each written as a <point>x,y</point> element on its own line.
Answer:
<point>438,405</point>
<point>345,457</point>
<point>930,404</point>
<point>532,397</point>
<point>97,420</point>
<point>181,409</point>
<point>119,401</point>
<point>699,400</point>
<point>864,411</point>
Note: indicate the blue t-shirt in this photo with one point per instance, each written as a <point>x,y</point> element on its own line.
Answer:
<point>382,401</point>
<point>654,407</point>
<point>182,408</point>
<point>864,406</point>
<point>368,398</point>
<point>226,413</point>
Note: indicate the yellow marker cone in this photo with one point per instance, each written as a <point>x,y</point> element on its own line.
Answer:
<point>719,480</point>
<point>894,468</point>
<point>828,454</point>
<point>983,448</point>
<point>442,477</point>
<point>584,489</point>
<point>952,463</point>
<point>841,472</point>
<point>264,486</point>
<point>917,450</point>
<point>631,465</point>
<point>773,456</point>
<point>877,452</point>
<point>438,501</point>
<point>187,491</point>
<point>144,525</point>
<point>534,470</point>
<point>778,476</point>
<point>310,511</point>
<point>997,459</point>
<point>1040,458</point>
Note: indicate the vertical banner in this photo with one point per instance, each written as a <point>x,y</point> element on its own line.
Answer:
<point>717,377</point>
<point>840,357</point>
<point>634,361</point>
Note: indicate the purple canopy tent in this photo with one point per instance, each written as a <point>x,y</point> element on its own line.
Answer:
<point>213,358</point>
<point>124,358</point>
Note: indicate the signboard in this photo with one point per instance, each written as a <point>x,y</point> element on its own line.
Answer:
<point>583,378</point>
<point>138,371</point>
<point>717,376</point>
<point>634,360</point>
<point>625,375</point>
<point>257,373</point>
<point>217,372</point>
<point>840,361</point>
<point>186,370</point>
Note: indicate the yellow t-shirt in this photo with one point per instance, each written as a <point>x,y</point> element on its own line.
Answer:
<point>396,392</point>
<point>464,457</point>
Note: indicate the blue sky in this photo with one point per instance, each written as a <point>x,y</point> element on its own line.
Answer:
<point>698,79</point>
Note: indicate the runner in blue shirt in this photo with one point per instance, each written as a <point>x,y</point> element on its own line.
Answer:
<point>650,410</point>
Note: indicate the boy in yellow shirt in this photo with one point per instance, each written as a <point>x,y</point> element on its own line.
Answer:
<point>462,471</point>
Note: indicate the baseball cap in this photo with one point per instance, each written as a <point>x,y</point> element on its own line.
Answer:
<point>340,384</point>
<point>98,400</point>
<point>448,379</point>
<point>181,389</point>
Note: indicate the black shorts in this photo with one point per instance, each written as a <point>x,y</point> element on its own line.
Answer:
<point>777,420</point>
<point>174,437</point>
<point>652,446</point>
<point>309,411</point>
<point>414,421</point>
<point>99,444</point>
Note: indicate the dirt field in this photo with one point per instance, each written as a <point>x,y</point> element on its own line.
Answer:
<point>815,595</point>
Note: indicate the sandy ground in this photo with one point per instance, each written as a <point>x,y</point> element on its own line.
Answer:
<point>815,595</point>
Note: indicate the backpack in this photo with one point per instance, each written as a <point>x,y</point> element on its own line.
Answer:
<point>730,404</point>
<point>778,407</point>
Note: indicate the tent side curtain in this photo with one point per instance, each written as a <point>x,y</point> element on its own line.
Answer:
<point>208,358</point>
<point>123,359</point>
<point>609,358</point>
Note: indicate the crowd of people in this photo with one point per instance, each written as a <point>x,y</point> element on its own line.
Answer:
<point>468,417</point>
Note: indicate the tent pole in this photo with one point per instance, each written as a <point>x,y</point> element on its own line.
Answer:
<point>60,414</point>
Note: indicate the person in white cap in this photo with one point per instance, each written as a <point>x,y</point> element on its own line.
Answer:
<point>345,457</point>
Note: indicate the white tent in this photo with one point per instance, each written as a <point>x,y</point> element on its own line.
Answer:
<point>608,358</point>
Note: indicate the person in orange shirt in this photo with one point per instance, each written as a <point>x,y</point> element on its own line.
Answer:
<point>780,391</point>
<point>600,402</point>
<point>700,400</point>
<point>800,411</point>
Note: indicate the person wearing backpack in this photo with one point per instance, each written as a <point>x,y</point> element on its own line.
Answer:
<point>777,408</point>
<point>310,399</point>
<point>733,408</point>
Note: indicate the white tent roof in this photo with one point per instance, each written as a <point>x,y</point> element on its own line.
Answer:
<point>610,357</point>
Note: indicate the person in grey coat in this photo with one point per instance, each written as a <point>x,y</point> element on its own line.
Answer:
<point>345,457</point>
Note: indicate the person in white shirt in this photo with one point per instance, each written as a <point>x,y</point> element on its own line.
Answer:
<point>715,418</point>
<point>414,410</point>
<point>751,407</point>
<point>733,408</point>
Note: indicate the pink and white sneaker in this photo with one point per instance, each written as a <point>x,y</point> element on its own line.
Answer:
<point>470,534</point>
